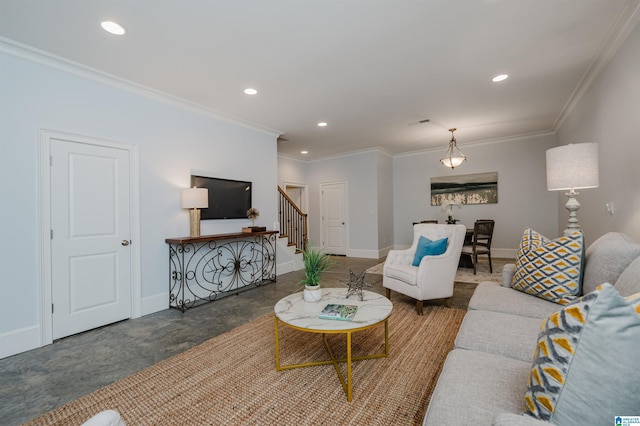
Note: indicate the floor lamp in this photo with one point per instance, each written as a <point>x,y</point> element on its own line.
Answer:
<point>194,199</point>
<point>573,166</point>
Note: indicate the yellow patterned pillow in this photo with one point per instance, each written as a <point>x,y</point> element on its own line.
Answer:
<point>550,269</point>
<point>585,364</point>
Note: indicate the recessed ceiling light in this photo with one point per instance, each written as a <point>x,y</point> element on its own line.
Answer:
<point>250,91</point>
<point>500,77</point>
<point>304,152</point>
<point>322,124</point>
<point>113,27</point>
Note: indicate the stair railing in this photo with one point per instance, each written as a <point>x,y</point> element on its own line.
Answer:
<point>293,222</point>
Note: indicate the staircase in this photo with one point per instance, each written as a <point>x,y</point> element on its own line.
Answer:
<point>293,234</point>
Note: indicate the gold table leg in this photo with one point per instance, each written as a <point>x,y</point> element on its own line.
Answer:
<point>346,385</point>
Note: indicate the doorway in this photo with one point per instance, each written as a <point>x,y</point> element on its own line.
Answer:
<point>333,210</point>
<point>89,242</point>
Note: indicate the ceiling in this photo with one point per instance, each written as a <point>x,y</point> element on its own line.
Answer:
<point>371,69</point>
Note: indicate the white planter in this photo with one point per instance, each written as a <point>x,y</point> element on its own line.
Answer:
<point>312,294</point>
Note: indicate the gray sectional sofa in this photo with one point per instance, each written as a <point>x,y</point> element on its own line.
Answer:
<point>485,376</point>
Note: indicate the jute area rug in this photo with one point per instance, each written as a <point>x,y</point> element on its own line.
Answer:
<point>231,379</point>
<point>465,275</point>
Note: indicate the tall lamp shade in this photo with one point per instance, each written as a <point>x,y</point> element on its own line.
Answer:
<point>571,167</point>
<point>194,199</point>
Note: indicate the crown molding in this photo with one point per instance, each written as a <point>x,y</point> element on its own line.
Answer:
<point>626,22</point>
<point>41,57</point>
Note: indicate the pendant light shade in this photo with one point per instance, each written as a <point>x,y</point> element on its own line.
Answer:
<point>453,157</point>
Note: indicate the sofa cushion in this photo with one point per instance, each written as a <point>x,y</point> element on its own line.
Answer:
<point>510,419</point>
<point>585,364</point>
<point>426,247</point>
<point>490,296</point>
<point>512,336</point>
<point>550,269</point>
<point>474,386</point>
<point>629,281</point>
<point>606,258</point>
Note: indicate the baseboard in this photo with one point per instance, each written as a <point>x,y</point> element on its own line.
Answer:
<point>504,253</point>
<point>18,341</point>
<point>155,303</point>
<point>384,252</point>
<point>365,254</point>
<point>284,267</point>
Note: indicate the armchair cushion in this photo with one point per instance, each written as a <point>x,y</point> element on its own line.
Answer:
<point>426,247</point>
<point>550,269</point>
<point>585,364</point>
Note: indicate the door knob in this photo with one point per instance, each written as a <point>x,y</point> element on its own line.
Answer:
<point>125,242</point>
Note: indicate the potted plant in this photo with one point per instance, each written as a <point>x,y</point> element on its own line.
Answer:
<point>315,264</point>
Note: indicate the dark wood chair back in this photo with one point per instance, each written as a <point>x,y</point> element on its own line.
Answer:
<point>483,232</point>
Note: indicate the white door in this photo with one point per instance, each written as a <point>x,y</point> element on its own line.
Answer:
<point>90,221</point>
<point>334,217</point>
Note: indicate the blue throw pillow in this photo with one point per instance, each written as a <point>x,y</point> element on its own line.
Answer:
<point>426,247</point>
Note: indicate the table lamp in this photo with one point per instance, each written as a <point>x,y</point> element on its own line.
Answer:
<point>194,199</point>
<point>573,166</point>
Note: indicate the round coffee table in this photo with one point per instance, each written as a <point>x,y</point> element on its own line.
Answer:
<point>294,312</point>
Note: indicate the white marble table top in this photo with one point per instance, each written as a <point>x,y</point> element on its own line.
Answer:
<point>293,310</point>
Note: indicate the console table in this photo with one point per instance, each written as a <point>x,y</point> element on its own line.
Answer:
<point>209,267</point>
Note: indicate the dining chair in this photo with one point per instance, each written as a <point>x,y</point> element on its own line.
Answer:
<point>480,242</point>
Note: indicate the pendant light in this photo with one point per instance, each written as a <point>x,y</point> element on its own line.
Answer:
<point>453,157</point>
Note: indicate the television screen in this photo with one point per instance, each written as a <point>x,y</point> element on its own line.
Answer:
<point>228,199</point>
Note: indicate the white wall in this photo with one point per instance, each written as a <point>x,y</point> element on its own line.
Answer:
<point>359,171</point>
<point>385,204</point>
<point>173,142</point>
<point>369,216</point>
<point>608,114</point>
<point>523,199</point>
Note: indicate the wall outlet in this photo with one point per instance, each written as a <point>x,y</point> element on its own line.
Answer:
<point>610,207</point>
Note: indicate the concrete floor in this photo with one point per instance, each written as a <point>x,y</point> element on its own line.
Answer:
<point>42,379</point>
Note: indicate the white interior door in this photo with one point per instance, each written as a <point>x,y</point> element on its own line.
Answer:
<point>90,251</point>
<point>334,217</point>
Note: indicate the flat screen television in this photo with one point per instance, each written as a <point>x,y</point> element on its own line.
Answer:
<point>228,199</point>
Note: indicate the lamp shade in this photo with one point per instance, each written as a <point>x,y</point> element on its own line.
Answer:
<point>572,166</point>
<point>195,198</point>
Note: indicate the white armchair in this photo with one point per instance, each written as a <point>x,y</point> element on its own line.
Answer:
<point>434,277</point>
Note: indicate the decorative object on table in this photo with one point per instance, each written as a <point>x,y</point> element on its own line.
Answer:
<point>252,214</point>
<point>315,264</point>
<point>447,209</point>
<point>573,166</point>
<point>453,157</point>
<point>339,312</point>
<point>356,284</point>
<point>194,199</point>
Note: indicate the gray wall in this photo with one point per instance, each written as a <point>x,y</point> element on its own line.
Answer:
<point>523,199</point>
<point>173,141</point>
<point>359,171</point>
<point>385,203</point>
<point>608,113</point>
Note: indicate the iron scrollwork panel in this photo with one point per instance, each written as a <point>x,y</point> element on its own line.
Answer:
<point>207,271</point>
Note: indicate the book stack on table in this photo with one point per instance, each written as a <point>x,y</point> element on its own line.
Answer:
<point>339,312</point>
